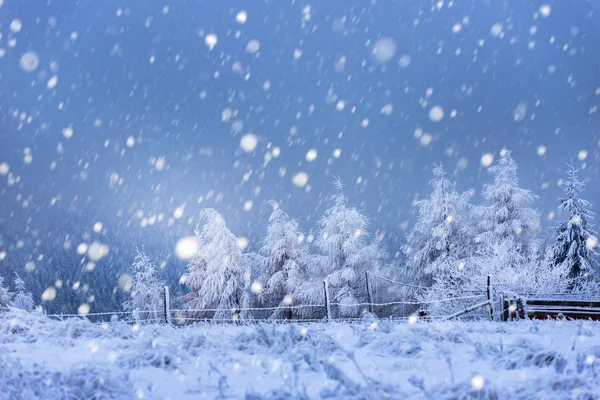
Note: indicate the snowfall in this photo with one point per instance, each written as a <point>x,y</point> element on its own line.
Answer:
<point>368,359</point>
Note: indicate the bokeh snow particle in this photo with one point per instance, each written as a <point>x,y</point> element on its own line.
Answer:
<point>404,61</point>
<point>160,163</point>
<point>187,247</point>
<point>541,150</point>
<point>256,287</point>
<point>96,251</point>
<point>242,243</point>
<point>496,30</point>
<point>68,132</point>
<point>300,179</point>
<point>210,40</point>
<point>52,82</point>
<point>49,294</point>
<point>98,227</point>
<point>30,266</point>
<point>462,163</point>
<point>436,114</point>
<point>387,109</point>
<point>477,382</point>
<point>241,17</point>
<point>29,61</point>
<point>487,159</point>
<point>337,153</point>
<point>16,25</point>
<point>82,248</point>
<point>248,142</point>
<point>253,46</point>
<point>426,139</point>
<point>545,10</point>
<point>311,155</point>
<point>384,49</point>
<point>520,112</point>
<point>4,168</point>
<point>582,155</point>
<point>591,242</point>
<point>83,309</point>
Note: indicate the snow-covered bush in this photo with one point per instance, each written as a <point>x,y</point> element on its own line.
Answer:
<point>510,271</point>
<point>146,294</point>
<point>298,345</point>
<point>219,274</point>
<point>22,298</point>
<point>90,381</point>
<point>154,349</point>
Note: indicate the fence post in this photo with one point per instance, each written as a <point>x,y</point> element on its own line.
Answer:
<point>167,306</point>
<point>490,297</point>
<point>503,315</point>
<point>327,305</point>
<point>369,297</point>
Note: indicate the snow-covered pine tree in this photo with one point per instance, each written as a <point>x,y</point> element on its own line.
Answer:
<point>146,295</point>
<point>343,238</point>
<point>576,241</point>
<point>506,212</point>
<point>22,298</point>
<point>219,274</point>
<point>440,236</point>
<point>4,295</point>
<point>505,248</point>
<point>283,267</point>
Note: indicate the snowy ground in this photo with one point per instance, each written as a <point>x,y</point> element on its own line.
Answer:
<point>368,360</point>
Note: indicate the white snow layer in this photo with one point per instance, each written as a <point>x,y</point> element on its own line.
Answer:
<point>373,359</point>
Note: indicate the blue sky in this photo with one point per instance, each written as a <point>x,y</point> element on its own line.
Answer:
<point>137,83</point>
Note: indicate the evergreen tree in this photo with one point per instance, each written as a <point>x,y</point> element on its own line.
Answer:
<point>219,274</point>
<point>576,241</point>
<point>506,212</point>
<point>146,295</point>
<point>343,239</point>
<point>284,262</point>
<point>440,236</point>
<point>4,295</point>
<point>22,298</point>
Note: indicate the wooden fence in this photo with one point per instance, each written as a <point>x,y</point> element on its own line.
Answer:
<point>521,308</point>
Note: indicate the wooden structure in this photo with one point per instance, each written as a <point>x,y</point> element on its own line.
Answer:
<point>521,308</point>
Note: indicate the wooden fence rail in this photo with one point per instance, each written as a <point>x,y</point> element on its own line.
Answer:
<point>520,308</point>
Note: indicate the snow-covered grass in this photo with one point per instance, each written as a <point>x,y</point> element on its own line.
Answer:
<point>43,358</point>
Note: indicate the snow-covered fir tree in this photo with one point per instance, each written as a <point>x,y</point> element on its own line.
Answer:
<point>283,266</point>
<point>440,236</point>
<point>506,248</point>
<point>4,295</point>
<point>219,274</point>
<point>22,298</point>
<point>576,241</point>
<point>506,212</point>
<point>146,295</point>
<point>343,239</point>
